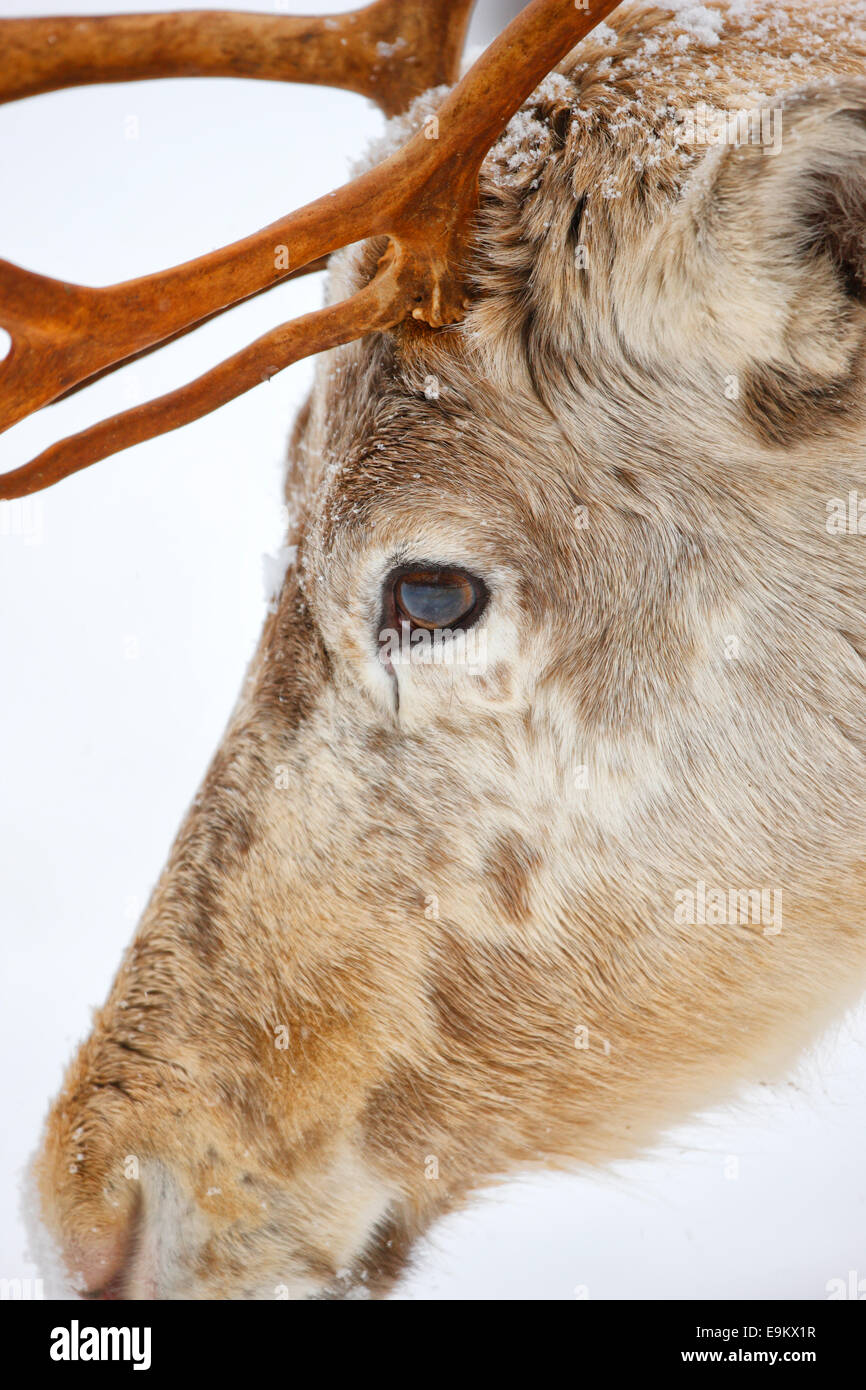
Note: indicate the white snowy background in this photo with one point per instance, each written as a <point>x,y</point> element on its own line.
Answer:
<point>128,611</point>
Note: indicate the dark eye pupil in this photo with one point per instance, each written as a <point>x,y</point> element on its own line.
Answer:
<point>438,602</point>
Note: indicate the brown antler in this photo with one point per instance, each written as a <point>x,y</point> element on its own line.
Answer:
<point>423,198</point>
<point>389,51</point>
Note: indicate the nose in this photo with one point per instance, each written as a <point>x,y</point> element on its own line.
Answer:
<point>99,1260</point>
<point>144,1250</point>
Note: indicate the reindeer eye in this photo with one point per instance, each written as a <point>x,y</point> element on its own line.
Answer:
<point>432,597</point>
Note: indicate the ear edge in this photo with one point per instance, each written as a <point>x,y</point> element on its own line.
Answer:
<point>782,402</point>
<point>835,222</point>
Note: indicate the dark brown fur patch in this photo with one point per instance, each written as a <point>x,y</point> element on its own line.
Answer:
<point>784,406</point>
<point>575,226</point>
<point>296,666</point>
<point>508,870</point>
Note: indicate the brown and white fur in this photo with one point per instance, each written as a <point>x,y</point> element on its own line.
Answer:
<point>399,894</point>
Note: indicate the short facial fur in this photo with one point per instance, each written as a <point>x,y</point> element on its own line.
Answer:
<point>402,896</point>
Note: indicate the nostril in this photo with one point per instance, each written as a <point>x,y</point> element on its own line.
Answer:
<point>113,1290</point>
<point>99,1267</point>
<point>100,1261</point>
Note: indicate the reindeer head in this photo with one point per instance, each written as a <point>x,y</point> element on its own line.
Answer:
<point>447,908</point>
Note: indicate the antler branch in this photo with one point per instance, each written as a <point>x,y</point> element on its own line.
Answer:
<point>389,51</point>
<point>376,306</point>
<point>423,198</point>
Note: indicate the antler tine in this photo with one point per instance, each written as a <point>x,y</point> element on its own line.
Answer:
<point>423,198</point>
<point>371,308</point>
<point>389,51</point>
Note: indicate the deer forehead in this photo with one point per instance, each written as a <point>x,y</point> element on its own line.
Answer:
<point>584,276</point>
